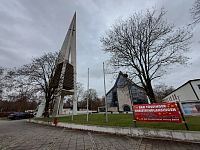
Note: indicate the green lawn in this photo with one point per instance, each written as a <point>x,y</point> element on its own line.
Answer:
<point>125,120</point>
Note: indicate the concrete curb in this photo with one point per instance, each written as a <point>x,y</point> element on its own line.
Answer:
<point>186,136</point>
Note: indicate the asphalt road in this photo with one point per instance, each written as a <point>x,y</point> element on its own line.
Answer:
<point>21,135</point>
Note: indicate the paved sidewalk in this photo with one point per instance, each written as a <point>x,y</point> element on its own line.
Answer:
<point>21,135</point>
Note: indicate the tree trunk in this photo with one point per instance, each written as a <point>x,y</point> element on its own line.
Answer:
<point>150,92</point>
<point>46,110</point>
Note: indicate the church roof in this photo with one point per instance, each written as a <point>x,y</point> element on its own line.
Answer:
<point>125,76</point>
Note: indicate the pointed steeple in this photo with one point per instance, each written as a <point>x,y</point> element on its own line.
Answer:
<point>67,75</point>
<point>69,41</point>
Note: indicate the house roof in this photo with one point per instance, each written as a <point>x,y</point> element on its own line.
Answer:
<point>182,86</point>
<point>125,76</point>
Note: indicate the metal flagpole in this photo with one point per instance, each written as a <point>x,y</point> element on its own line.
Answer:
<point>148,100</point>
<point>72,109</point>
<point>88,94</point>
<point>72,114</point>
<point>105,93</point>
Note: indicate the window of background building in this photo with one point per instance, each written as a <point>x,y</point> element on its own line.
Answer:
<point>198,86</point>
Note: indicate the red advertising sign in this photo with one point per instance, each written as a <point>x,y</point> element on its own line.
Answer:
<point>160,112</point>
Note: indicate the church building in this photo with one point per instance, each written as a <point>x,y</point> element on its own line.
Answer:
<point>124,93</point>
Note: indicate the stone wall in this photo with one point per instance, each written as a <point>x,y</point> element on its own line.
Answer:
<point>123,98</point>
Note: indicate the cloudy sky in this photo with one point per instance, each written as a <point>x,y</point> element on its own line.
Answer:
<point>29,28</point>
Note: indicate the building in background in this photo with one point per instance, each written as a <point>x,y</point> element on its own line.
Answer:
<point>123,94</point>
<point>188,95</point>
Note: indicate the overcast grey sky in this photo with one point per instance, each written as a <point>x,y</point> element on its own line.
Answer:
<point>29,28</point>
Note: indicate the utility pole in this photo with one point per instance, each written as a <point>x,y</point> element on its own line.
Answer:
<point>88,93</point>
<point>106,107</point>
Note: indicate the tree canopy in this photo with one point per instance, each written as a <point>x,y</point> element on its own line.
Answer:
<point>196,11</point>
<point>39,74</point>
<point>144,45</point>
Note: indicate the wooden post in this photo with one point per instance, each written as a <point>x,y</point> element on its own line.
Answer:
<point>182,115</point>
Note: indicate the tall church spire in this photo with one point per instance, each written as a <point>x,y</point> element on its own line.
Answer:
<point>66,75</point>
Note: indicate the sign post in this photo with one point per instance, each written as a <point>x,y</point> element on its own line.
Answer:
<point>185,123</point>
<point>134,120</point>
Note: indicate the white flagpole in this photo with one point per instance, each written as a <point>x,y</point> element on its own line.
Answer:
<point>148,100</point>
<point>105,93</point>
<point>87,94</point>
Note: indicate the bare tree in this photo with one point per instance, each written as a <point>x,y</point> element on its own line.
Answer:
<point>7,82</point>
<point>18,86</point>
<point>144,45</point>
<point>18,96</point>
<point>93,100</point>
<point>39,74</point>
<point>80,91</point>
<point>80,98</point>
<point>1,81</point>
<point>162,91</point>
<point>195,11</point>
<point>17,105</point>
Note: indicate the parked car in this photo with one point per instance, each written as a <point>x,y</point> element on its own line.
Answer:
<point>20,115</point>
